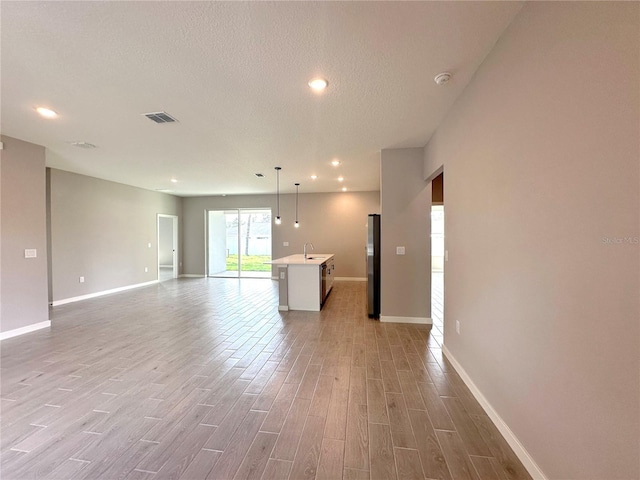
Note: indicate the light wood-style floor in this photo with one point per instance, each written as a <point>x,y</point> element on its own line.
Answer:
<point>204,378</point>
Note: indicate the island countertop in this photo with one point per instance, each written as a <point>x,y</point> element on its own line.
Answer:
<point>298,259</point>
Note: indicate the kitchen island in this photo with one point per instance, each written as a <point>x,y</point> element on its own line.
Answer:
<point>304,282</point>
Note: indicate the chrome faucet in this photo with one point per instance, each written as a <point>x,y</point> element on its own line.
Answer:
<point>304,249</point>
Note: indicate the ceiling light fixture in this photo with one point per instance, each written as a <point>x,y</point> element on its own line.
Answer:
<point>318,84</point>
<point>46,112</point>
<point>442,78</point>
<point>335,162</point>
<point>314,177</point>
<point>344,189</point>
<point>341,179</point>
<point>278,219</point>
<point>174,180</point>
<point>297,224</point>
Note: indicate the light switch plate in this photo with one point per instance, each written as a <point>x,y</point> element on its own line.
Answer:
<point>399,250</point>
<point>446,255</point>
<point>285,244</point>
<point>30,253</point>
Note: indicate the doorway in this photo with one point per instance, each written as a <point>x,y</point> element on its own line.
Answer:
<point>437,252</point>
<point>167,247</point>
<point>239,243</point>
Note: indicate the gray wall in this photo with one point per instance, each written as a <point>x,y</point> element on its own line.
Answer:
<point>23,281</point>
<point>333,222</point>
<point>540,156</point>
<point>405,221</point>
<point>101,230</point>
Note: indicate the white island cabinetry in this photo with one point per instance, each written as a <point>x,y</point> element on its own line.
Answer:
<point>307,281</point>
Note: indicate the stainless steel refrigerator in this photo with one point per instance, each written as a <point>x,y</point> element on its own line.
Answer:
<point>373,266</point>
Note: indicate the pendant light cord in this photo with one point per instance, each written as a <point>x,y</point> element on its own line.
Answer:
<point>297,185</point>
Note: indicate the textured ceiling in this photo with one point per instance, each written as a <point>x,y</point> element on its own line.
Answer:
<point>235,76</point>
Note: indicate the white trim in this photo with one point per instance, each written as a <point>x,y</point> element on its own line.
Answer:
<point>283,308</point>
<point>351,279</point>
<point>418,320</point>
<point>21,331</point>
<point>526,459</point>
<point>274,278</point>
<point>100,294</point>
<point>191,275</point>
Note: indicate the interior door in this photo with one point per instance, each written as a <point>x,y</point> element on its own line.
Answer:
<point>168,266</point>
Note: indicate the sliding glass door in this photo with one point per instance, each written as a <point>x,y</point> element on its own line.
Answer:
<point>239,243</point>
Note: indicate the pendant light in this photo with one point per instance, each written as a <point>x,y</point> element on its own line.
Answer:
<point>297,224</point>
<point>278,219</point>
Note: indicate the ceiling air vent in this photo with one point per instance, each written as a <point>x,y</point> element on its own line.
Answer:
<point>160,117</point>
<point>82,144</point>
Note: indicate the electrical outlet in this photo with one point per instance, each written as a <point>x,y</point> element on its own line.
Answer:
<point>30,253</point>
<point>281,275</point>
<point>400,250</point>
<point>81,279</point>
<point>458,327</point>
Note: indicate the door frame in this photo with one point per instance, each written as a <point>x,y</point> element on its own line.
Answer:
<point>174,241</point>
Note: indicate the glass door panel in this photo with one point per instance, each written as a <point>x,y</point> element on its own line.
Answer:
<point>222,251</point>
<point>255,243</point>
<point>239,243</point>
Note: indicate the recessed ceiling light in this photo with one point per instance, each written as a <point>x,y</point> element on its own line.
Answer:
<point>163,190</point>
<point>314,177</point>
<point>318,84</point>
<point>335,162</point>
<point>341,179</point>
<point>259,175</point>
<point>174,180</point>
<point>46,112</point>
<point>344,189</point>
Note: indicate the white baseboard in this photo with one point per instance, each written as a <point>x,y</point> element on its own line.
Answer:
<point>509,436</point>
<point>351,279</point>
<point>100,294</point>
<point>21,331</point>
<point>417,320</point>
<point>190,275</point>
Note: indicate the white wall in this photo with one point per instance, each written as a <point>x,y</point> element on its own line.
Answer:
<point>541,161</point>
<point>23,281</point>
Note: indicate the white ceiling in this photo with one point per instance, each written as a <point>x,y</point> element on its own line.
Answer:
<point>235,76</point>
